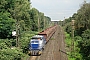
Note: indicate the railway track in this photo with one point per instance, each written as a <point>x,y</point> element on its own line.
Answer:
<point>44,52</point>
<point>53,47</point>
<point>33,57</point>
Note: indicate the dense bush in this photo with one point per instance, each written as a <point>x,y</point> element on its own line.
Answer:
<point>8,51</point>
<point>18,14</point>
<point>6,25</point>
<point>84,45</point>
<point>11,54</point>
<point>81,30</point>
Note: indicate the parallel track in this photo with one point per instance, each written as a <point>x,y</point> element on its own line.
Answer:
<point>44,52</point>
<point>53,47</point>
<point>38,57</point>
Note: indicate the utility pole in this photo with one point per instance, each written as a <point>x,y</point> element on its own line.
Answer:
<point>38,24</point>
<point>44,23</point>
<point>17,28</point>
<point>17,33</point>
<point>72,42</point>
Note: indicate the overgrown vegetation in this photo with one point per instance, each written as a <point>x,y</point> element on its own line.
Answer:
<point>28,21</point>
<point>81,33</point>
<point>73,55</point>
<point>8,51</point>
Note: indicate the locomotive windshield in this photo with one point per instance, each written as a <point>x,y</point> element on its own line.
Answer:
<point>34,41</point>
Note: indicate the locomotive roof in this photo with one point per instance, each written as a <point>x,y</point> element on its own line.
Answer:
<point>37,36</point>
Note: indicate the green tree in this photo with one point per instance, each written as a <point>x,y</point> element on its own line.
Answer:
<point>47,21</point>
<point>41,20</point>
<point>21,12</point>
<point>34,13</point>
<point>83,18</point>
<point>6,25</point>
<point>84,45</point>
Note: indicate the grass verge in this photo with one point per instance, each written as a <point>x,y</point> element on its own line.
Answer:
<point>72,55</point>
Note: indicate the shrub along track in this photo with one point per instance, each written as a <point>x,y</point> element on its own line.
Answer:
<point>55,48</point>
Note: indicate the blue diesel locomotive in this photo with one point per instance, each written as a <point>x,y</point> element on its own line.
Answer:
<point>37,42</point>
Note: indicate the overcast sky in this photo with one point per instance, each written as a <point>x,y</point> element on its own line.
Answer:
<point>57,9</point>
